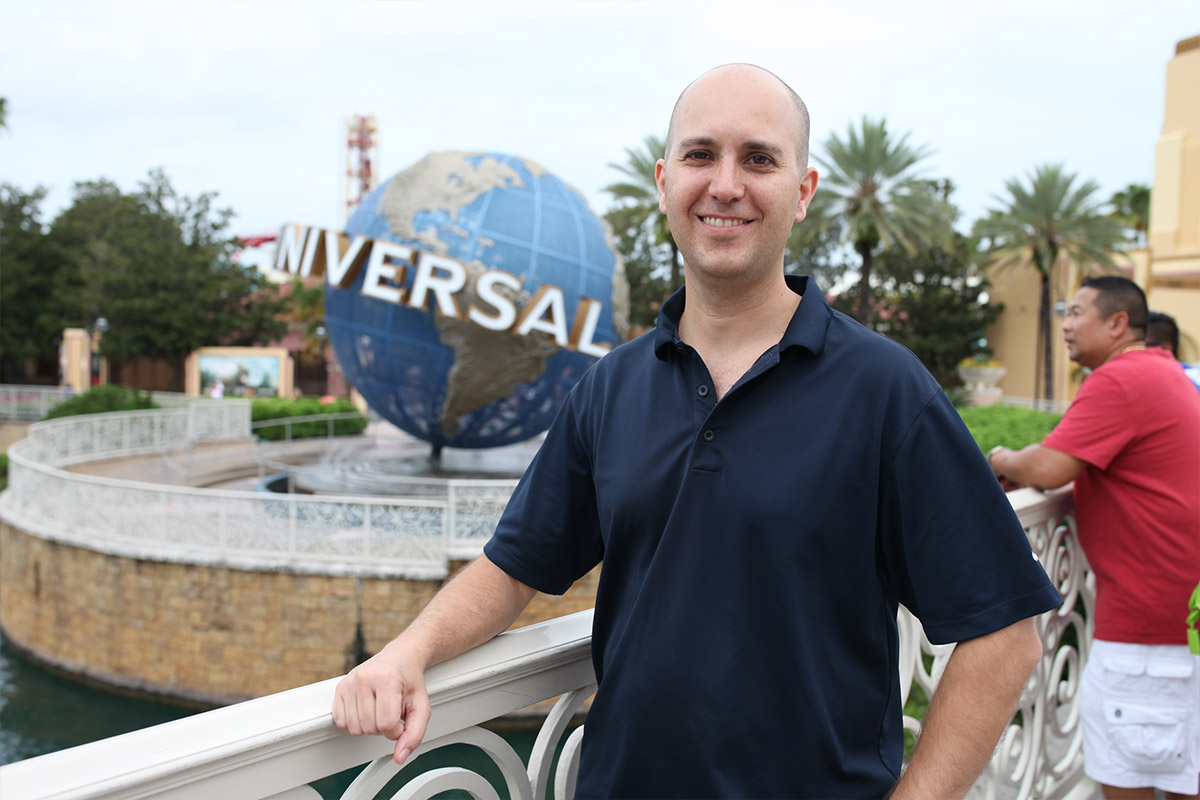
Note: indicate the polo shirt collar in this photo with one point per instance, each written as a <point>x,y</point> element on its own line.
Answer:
<point>807,329</point>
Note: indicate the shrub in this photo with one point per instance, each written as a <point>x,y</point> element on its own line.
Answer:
<point>101,399</point>
<point>277,408</point>
<point>3,471</point>
<point>1007,425</point>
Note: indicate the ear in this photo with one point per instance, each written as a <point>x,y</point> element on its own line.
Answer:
<point>808,187</point>
<point>660,179</point>
<point>1118,324</point>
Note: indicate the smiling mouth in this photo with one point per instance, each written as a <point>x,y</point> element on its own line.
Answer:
<point>720,222</point>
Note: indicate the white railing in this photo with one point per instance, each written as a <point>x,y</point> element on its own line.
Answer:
<point>91,437</point>
<point>411,537</point>
<point>274,746</point>
<point>287,422</point>
<point>27,403</point>
<point>20,403</point>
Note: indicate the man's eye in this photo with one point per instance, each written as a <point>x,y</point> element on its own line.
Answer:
<point>697,155</point>
<point>760,160</point>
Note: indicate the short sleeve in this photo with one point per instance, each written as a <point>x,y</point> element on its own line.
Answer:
<point>1097,426</point>
<point>549,534</point>
<point>953,550</point>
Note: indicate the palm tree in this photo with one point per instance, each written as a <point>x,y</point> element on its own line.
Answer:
<point>1041,223</point>
<point>882,199</point>
<point>640,192</point>
<point>1131,207</point>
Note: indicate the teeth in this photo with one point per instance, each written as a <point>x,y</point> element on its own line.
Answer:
<point>723,223</point>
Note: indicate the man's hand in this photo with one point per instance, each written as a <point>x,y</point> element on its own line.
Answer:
<point>1041,467</point>
<point>385,695</point>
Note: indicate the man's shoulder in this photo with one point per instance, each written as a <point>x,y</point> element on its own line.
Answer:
<point>626,355</point>
<point>628,360</point>
<point>1134,376</point>
<point>851,340</point>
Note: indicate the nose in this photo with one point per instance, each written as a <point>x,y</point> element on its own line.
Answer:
<point>727,185</point>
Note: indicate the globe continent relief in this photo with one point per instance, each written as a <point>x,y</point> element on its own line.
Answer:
<point>444,378</point>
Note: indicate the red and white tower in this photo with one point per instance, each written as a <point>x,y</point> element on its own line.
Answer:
<point>362,151</point>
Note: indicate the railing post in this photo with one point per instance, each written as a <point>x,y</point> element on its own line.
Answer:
<point>222,517</point>
<point>366,539</point>
<point>451,518</point>
<point>292,503</point>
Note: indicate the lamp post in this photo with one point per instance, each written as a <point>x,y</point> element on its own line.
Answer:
<point>99,364</point>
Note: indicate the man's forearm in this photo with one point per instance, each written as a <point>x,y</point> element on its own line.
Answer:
<point>974,701</point>
<point>478,603</point>
<point>1037,466</point>
<point>386,694</point>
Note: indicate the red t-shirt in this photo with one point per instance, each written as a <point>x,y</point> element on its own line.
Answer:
<point>1136,422</point>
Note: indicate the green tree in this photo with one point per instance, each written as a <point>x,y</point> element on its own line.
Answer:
<point>1041,223</point>
<point>634,239</point>
<point>935,304</point>
<point>307,299</point>
<point>1131,207</point>
<point>3,114</point>
<point>872,177</point>
<point>638,195</point>
<point>814,247</point>
<point>159,267</point>
<point>38,292</point>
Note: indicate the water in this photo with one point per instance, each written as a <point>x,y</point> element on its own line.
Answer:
<point>42,713</point>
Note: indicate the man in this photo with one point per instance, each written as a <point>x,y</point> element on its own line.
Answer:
<point>1131,443</point>
<point>1162,332</point>
<point>764,481</point>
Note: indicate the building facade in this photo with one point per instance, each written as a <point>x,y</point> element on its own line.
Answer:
<point>1167,269</point>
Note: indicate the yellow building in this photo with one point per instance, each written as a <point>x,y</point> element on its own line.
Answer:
<point>1168,270</point>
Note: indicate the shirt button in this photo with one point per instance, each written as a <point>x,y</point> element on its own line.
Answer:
<point>709,435</point>
<point>681,349</point>
<point>702,390</point>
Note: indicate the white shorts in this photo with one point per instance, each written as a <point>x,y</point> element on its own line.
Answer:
<point>1140,709</point>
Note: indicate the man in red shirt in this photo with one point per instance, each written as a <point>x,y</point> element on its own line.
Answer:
<point>1131,443</point>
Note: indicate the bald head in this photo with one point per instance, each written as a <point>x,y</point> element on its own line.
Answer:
<point>802,121</point>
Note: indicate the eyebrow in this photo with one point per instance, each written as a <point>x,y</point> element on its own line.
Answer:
<point>753,144</point>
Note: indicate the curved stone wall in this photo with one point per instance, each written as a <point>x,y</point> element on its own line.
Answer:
<point>211,597</point>
<point>200,634</point>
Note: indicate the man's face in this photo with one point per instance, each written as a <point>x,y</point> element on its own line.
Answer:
<point>1086,331</point>
<point>731,185</point>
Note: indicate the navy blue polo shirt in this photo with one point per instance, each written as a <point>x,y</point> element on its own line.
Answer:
<point>755,550</point>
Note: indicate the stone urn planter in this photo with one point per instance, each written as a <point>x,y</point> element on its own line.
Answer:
<point>982,383</point>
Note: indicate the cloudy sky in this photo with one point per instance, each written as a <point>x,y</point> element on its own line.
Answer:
<point>250,99</point>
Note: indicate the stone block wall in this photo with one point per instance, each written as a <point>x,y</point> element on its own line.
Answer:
<point>201,634</point>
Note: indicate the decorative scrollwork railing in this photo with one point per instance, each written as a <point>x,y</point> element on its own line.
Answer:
<point>274,746</point>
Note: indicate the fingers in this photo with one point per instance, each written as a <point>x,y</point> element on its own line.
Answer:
<point>390,706</point>
<point>364,700</point>
<point>416,718</point>
<point>379,699</point>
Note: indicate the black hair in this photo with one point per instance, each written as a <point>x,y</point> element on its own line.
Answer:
<point>1118,294</point>
<point>1161,329</point>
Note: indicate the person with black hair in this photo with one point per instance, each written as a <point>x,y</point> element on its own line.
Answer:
<point>1131,443</point>
<point>1163,332</point>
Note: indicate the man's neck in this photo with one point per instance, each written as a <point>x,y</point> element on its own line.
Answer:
<point>732,317</point>
<point>1123,345</point>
